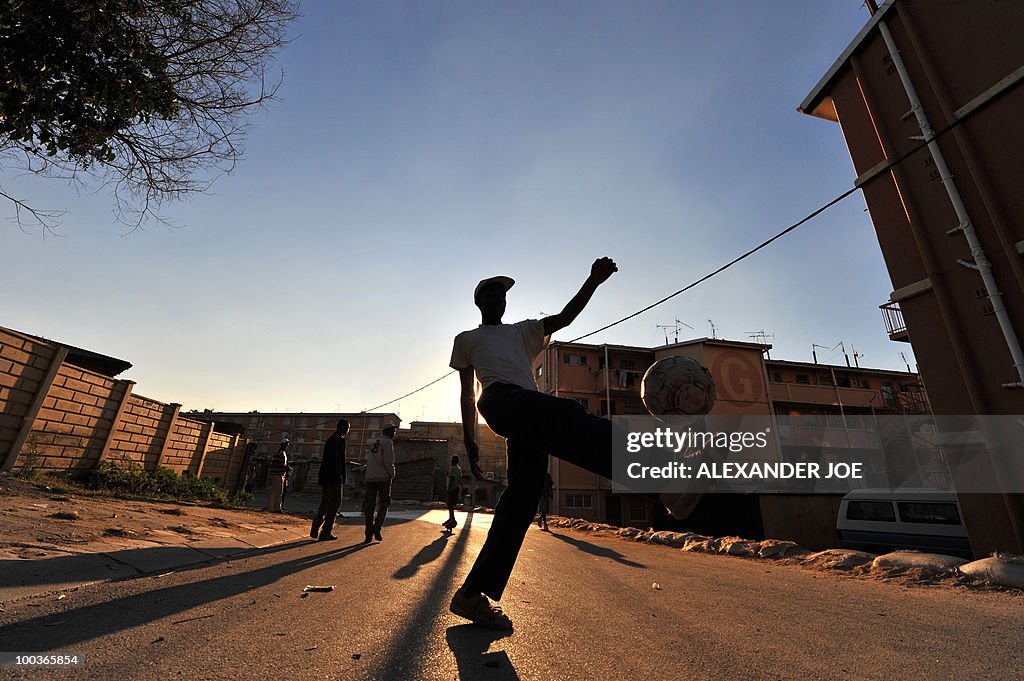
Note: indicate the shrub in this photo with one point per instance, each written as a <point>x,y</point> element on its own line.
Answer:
<point>132,479</point>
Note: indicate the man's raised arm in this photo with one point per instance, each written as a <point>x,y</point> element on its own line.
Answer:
<point>599,273</point>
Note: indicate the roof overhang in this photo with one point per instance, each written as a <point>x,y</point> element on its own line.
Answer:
<point>818,103</point>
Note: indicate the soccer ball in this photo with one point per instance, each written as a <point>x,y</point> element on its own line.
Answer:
<point>678,386</point>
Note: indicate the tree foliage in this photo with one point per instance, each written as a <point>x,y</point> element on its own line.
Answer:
<point>152,97</point>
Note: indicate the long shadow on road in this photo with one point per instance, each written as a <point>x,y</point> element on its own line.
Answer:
<point>65,629</point>
<point>595,550</point>
<point>427,554</point>
<point>410,644</point>
<point>469,643</point>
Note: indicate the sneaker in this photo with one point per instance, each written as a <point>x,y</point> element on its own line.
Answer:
<point>368,539</point>
<point>314,532</point>
<point>479,610</point>
<point>376,535</point>
<point>327,537</point>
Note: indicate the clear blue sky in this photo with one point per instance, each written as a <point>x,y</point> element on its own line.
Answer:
<point>421,146</point>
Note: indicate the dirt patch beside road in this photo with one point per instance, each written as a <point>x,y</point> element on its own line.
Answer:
<point>35,520</point>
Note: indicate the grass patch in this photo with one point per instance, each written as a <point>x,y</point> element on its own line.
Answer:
<point>133,480</point>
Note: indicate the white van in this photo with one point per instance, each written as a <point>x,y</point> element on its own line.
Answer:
<point>882,520</point>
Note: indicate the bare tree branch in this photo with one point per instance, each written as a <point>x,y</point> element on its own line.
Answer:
<point>150,99</point>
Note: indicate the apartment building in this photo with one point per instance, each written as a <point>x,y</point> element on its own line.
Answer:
<point>929,100</point>
<point>823,406</point>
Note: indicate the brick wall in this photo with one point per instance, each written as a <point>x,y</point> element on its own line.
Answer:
<point>223,462</point>
<point>186,446</point>
<point>84,417</point>
<point>23,365</point>
<point>69,432</point>
<point>140,435</point>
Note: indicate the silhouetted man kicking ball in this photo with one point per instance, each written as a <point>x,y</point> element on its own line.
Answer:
<point>535,424</point>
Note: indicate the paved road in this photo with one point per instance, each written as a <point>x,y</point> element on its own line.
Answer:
<point>584,608</point>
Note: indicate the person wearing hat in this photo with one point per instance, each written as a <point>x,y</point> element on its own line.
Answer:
<point>276,475</point>
<point>501,356</point>
<point>380,471</point>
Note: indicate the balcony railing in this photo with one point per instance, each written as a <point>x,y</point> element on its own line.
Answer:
<point>619,380</point>
<point>894,323</point>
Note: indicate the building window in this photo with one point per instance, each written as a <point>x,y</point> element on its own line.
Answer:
<point>575,360</point>
<point>604,408</point>
<point>842,380</point>
<point>824,379</point>
<point>803,378</point>
<point>888,394</point>
<point>579,500</point>
<point>777,376</point>
<point>628,364</point>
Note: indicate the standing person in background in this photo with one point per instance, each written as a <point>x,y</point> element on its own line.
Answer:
<point>331,478</point>
<point>453,490</point>
<point>545,502</point>
<point>380,471</point>
<point>278,469</point>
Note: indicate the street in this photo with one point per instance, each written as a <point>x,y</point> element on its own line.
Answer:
<point>583,607</point>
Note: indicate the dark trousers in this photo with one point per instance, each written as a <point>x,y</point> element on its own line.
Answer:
<point>536,425</point>
<point>330,502</point>
<point>378,494</point>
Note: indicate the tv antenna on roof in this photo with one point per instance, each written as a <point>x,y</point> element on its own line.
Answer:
<point>763,337</point>
<point>714,333</point>
<point>839,345</point>
<point>675,326</point>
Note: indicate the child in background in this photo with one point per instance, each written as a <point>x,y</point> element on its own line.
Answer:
<point>453,492</point>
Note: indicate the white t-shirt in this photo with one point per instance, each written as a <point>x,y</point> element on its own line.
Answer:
<point>502,353</point>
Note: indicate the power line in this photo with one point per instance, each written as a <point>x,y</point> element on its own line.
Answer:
<point>438,380</point>
<point>860,183</point>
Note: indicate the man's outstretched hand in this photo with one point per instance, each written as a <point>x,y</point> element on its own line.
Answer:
<point>602,269</point>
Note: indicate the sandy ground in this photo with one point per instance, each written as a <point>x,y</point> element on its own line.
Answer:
<point>36,520</point>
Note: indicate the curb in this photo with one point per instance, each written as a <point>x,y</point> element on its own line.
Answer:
<point>1000,570</point>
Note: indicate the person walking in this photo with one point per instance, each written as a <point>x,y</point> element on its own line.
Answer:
<point>276,476</point>
<point>453,491</point>
<point>331,478</point>
<point>380,471</point>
